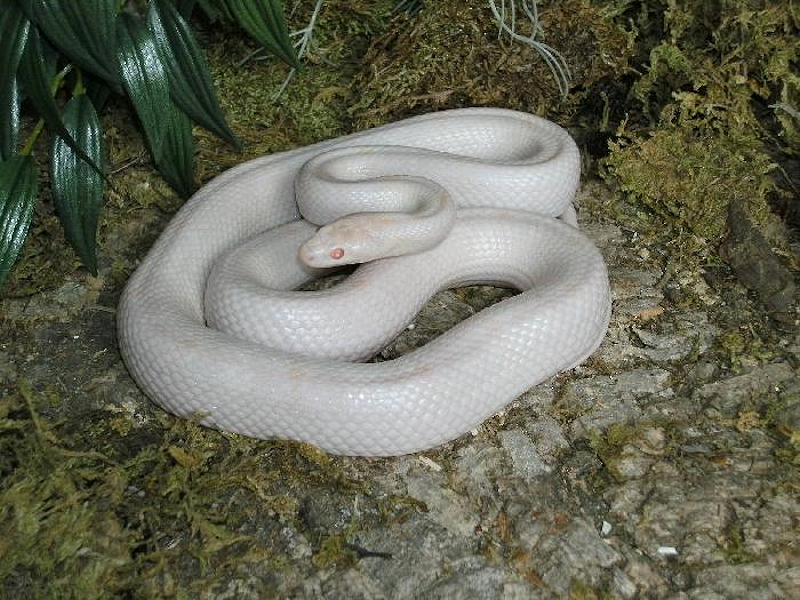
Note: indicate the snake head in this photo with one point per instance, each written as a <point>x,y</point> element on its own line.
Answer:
<point>354,239</point>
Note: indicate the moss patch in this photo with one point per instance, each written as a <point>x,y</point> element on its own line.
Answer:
<point>709,86</point>
<point>450,55</point>
<point>683,180</point>
<point>89,509</point>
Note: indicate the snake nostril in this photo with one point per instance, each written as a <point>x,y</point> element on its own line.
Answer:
<point>337,253</point>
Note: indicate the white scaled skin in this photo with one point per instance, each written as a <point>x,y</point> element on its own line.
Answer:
<point>209,323</point>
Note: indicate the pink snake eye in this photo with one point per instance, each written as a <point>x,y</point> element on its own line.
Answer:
<point>337,253</point>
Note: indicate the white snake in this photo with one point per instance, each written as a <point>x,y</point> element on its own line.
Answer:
<point>509,174</point>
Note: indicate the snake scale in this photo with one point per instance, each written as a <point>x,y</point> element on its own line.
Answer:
<point>210,324</point>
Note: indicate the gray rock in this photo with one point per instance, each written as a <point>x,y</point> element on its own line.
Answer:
<point>671,341</point>
<point>728,396</point>
<point>352,584</point>
<point>577,549</point>
<point>623,584</point>
<point>756,265</point>
<point>468,582</point>
<point>787,417</point>
<point>525,459</point>
<point>605,400</point>
<point>753,581</point>
<point>325,510</point>
<point>548,437</point>
<point>445,507</point>
<point>476,468</point>
<point>702,372</point>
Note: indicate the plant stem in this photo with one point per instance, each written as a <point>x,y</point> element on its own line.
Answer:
<point>26,151</point>
<point>37,130</point>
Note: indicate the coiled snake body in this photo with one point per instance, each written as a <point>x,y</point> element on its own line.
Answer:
<point>208,323</point>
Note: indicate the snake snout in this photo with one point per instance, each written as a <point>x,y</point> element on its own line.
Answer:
<point>315,254</point>
<point>351,240</point>
<point>337,244</point>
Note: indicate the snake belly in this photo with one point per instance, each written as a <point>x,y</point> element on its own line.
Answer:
<point>510,173</point>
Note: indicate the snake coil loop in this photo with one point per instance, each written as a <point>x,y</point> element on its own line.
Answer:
<point>209,323</point>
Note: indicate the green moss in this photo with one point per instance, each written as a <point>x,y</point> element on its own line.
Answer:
<point>729,52</point>
<point>616,436</point>
<point>775,407</point>
<point>334,551</point>
<point>622,439</point>
<point>733,549</point>
<point>683,178</point>
<point>315,104</point>
<point>733,343</point>
<point>610,447</point>
<point>394,508</point>
<point>790,455</point>
<point>743,344</point>
<point>90,509</point>
<point>57,538</point>
<point>449,55</point>
<point>789,452</point>
<point>579,590</point>
<point>704,85</point>
<point>669,69</point>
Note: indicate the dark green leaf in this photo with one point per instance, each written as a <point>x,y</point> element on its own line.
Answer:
<point>17,198</point>
<point>264,20</point>
<point>214,10</point>
<point>189,80</point>
<point>185,7</point>
<point>144,78</point>
<point>97,91</point>
<point>38,86</point>
<point>177,163</point>
<point>84,30</point>
<point>14,27</point>
<point>77,188</point>
<point>50,57</point>
<point>9,125</point>
<point>167,129</point>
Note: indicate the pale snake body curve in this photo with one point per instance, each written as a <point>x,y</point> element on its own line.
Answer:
<point>509,173</point>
